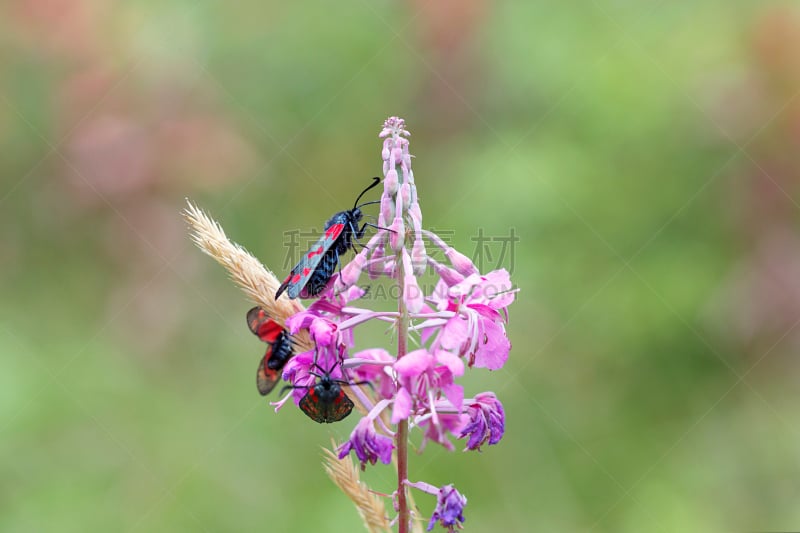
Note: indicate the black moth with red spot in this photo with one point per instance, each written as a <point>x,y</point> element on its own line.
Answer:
<point>325,401</point>
<point>279,348</point>
<point>315,269</point>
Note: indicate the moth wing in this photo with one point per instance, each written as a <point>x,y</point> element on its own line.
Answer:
<point>255,317</point>
<point>339,408</point>
<point>263,326</point>
<point>301,273</point>
<point>310,405</point>
<point>266,378</point>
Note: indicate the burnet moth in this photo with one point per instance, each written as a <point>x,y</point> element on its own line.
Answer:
<point>315,269</point>
<point>325,401</point>
<point>279,348</point>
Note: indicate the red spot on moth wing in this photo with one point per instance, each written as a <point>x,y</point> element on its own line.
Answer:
<point>306,271</point>
<point>341,407</point>
<point>334,231</point>
<point>311,408</point>
<point>262,325</point>
<point>269,331</point>
<point>296,278</point>
<point>315,251</point>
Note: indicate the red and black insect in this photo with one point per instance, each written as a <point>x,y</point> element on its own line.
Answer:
<point>315,269</point>
<point>325,401</point>
<point>279,348</point>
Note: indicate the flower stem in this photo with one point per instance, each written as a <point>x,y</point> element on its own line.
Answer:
<point>402,428</point>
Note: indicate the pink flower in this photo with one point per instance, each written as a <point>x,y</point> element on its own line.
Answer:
<point>477,328</point>
<point>321,318</point>
<point>368,445</point>
<point>303,370</point>
<point>298,372</point>
<point>450,505</point>
<point>436,429</point>
<point>449,510</point>
<point>379,375</point>
<point>487,421</point>
<point>423,377</point>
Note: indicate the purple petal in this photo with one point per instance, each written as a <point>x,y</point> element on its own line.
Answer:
<point>449,508</point>
<point>486,421</point>
<point>368,445</point>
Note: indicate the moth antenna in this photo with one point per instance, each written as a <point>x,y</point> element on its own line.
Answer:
<point>368,203</point>
<point>376,180</point>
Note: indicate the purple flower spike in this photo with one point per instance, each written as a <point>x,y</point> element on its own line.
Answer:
<point>449,510</point>
<point>459,324</point>
<point>368,444</point>
<point>487,421</point>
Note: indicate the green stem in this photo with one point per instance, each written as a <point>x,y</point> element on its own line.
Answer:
<point>401,438</point>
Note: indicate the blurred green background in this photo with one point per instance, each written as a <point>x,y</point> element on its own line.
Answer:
<point>645,153</point>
